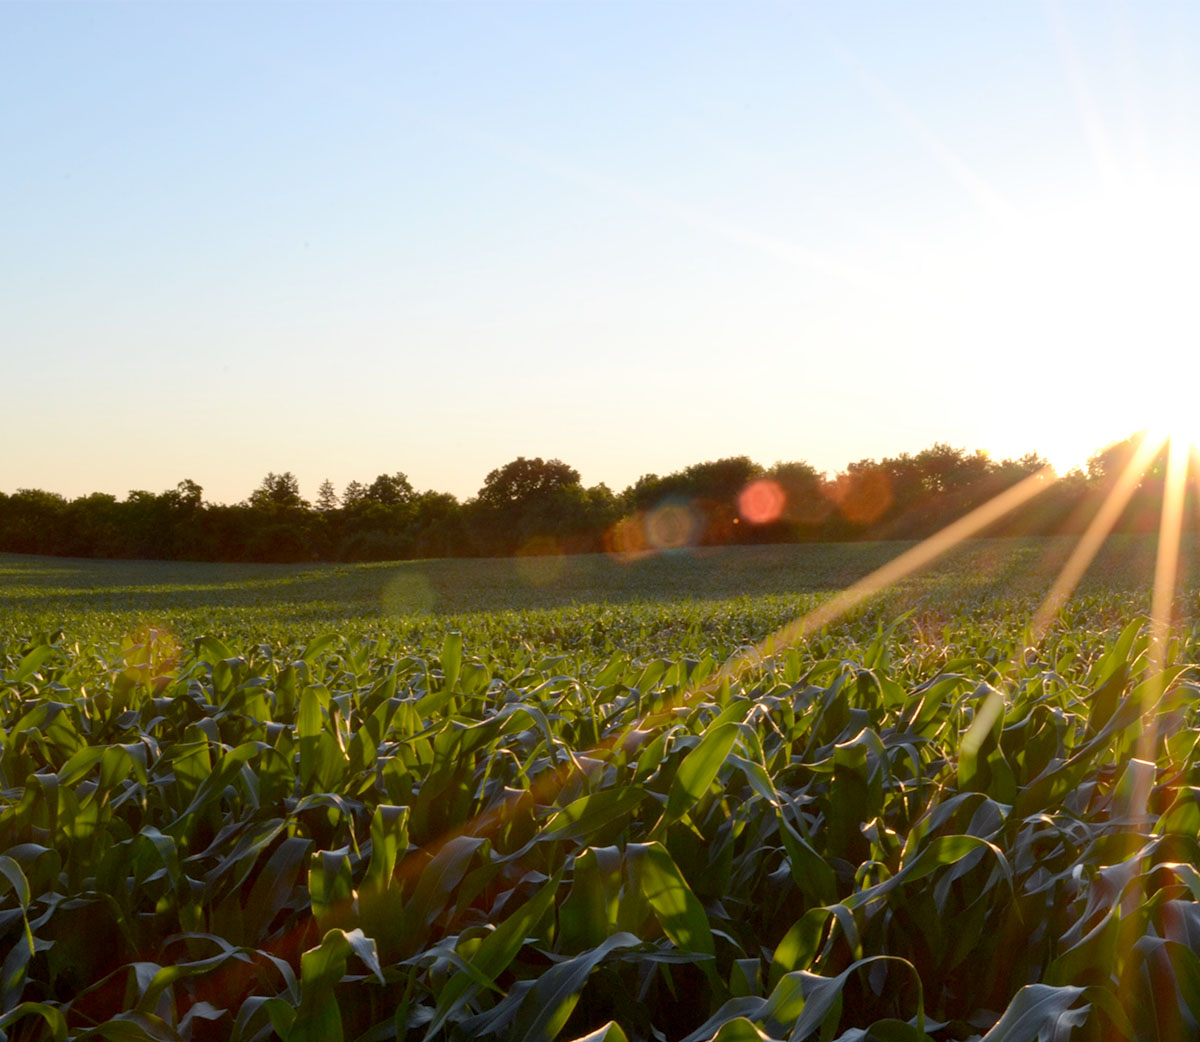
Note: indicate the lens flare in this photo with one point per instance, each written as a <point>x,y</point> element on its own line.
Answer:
<point>408,592</point>
<point>1093,537</point>
<point>540,561</point>
<point>626,540</point>
<point>151,655</point>
<point>762,502</point>
<point>862,496</point>
<point>671,526</point>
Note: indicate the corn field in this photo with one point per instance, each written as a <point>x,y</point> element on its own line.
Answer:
<point>571,824</point>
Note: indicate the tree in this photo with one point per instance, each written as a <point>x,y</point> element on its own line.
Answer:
<point>1110,461</point>
<point>278,491</point>
<point>863,495</point>
<point>524,499</point>
<point>713,481</point>
<point>1030,463</point>
<point>803,490</point>
<point>390,489</point>
<point>710,491</point>
<point>35,522</point>
<point>438,525</point>
<point>188,494</point>
<point>721,481</point>
<point>524,480</point>
<point>645,492</point>
<point>944,468</point>
<point>94,526</point>
<point>327,498</point>
<point>355,495</point>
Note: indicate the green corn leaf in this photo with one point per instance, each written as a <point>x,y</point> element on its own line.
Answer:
<point>318,1017</point>
<point>675,905</point>
<point>588,815</point>
<point>799,946</point>
<point>1039,1011</point>
<point>452,648</point>
<point>496,951</point>
<point>133,1026</point>
<point>15,879</point>
<point>610,1032</point>
<point>740,1030</point>
<point>588,914</point>
<point>51,1016</point>
<point>389,839</point>
<point>698,770</point>
<point>558,990</point>
<point>331,887</point>
<point>31,663</point>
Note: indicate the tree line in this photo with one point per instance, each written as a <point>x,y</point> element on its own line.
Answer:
<point>531,506</point>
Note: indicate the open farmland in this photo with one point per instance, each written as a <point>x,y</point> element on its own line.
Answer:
<point>523,799</point>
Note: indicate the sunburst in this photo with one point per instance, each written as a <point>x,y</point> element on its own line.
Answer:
<point>1103,279</point>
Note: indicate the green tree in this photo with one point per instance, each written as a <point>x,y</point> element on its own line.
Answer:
<point>945,469</point>
<point>523,480</point>
<point>35,523</point>
<point>327,498</point>
<point>805,503</point>
<point>1110,461</point>
<point>278,491</point>
<point>95,527</point>
<point>523,500</point>
<point>390,489</point>
<point>188,494</point>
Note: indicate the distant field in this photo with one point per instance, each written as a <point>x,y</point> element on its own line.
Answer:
<point>51,592</point>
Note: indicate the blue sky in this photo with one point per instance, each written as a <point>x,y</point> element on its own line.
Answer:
<point>349,238</point>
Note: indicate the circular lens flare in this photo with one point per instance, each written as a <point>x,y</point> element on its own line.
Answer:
<point>540,561</point>
<point>761,502</point>
<point>671,526</point>
<point>626,540</point>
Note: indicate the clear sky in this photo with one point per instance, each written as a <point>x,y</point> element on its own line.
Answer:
<point>344,239</point>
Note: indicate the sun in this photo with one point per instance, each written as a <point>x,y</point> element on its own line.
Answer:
<point>1102,290</point>
<point>1184,434</point>
<point>1170,407</point>
<point>1173,404</point>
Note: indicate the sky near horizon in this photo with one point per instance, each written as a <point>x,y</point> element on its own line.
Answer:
<point>345,239</point>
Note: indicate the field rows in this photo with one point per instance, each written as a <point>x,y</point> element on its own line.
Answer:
<point>921,831</point>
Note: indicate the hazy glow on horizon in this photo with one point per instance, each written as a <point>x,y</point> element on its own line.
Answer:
<point>345,240</point>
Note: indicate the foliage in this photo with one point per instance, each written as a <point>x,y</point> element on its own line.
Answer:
<point>717,482</point>
<point>526,479</point>
<point>566,823</point>
<point>536,507</point>
<point>327,497</point>
<point>277,492</point>
<point>389,490</point>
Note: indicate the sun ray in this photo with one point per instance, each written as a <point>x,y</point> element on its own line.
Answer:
<point>1195,467</point>
<point>1133,807</point>
<point>1166,570</point>
<point>906,564</point>
<point>1095,534</point>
